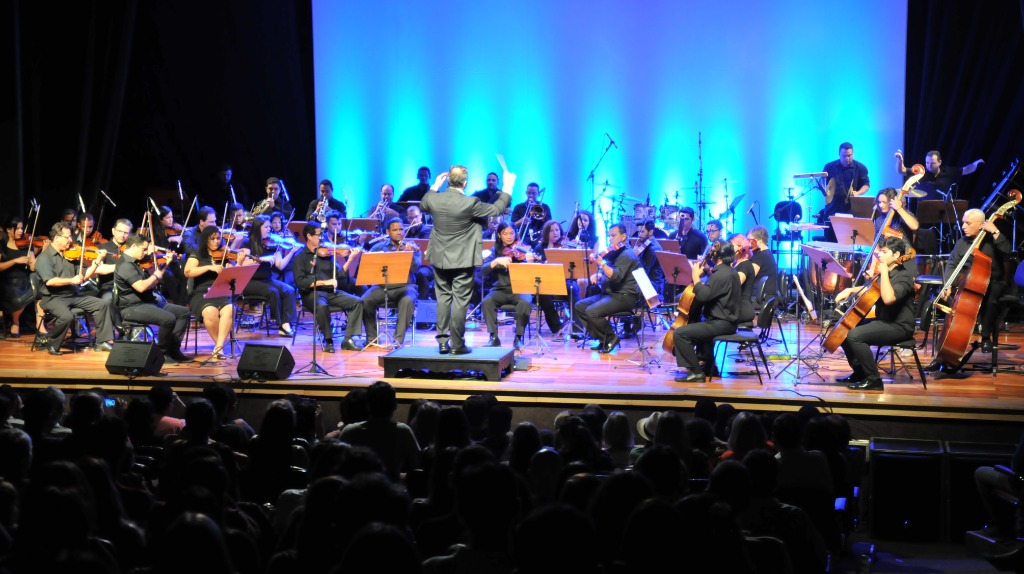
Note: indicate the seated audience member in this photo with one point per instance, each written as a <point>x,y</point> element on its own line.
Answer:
<point>393,441</point>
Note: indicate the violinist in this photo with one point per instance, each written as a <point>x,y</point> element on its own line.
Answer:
<point>59,280</point>
<point>167,236</point>
<point>334,237</point>
<point>618,293</point>
<point>745,270</point>
<point>418,228</point>
<point>203,268</point>
<point>317,276</point>
<point>236,219</point>
<point>553,239</point>
<point>533,213</point>
<point>998,247</point>
<point>646,249</point>
<point>401,294</point>
<point>17,263</point>
<point>894,314</point>
<point>506,252</point>
<point>207,217</point>
<point>279,295</point>
<point>324,202</point>
<point>86,229</point>
<point>277,226</point>
<point>108,265</point>
<point>719,300</point>
<point>140,300</point>
<point>583,230</point>
<point>168,233</point>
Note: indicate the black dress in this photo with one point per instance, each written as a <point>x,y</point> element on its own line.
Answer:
<point>15,282</point>
<point>202,284</point>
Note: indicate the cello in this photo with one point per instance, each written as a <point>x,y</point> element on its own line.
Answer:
<point>885,230</point>
<point>963,313</point>
<point>860,306</point>
<point>686,300</point>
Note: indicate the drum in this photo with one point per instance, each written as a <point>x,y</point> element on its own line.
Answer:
<point>630,224</point>
<point>830,283</point>
<point>669,214</point>
<point>643,212</point>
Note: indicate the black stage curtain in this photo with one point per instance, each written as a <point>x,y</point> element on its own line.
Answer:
<point>129,96</point>
<point>965,87</point>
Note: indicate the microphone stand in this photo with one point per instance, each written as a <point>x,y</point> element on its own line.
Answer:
<point>590,178</point>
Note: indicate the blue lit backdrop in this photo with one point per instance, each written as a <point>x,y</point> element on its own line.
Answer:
<point>773,89</point>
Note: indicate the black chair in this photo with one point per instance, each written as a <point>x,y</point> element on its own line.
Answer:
<point>130,330</point>
<point>760,300</point>
<point>752,340</point>
<point>244,320</point>
<point>908,345</point>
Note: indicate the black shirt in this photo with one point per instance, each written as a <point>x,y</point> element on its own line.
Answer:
<point>692,244</point>
<point>487,196</point>
<point>622,281</point>
<point>855,175</point>
<point>127,273</point>
<point>649,261</point>
<point>50,265</point>
<point>307,268</point>
<point>942,180</point>
<point>997,249</point>
<point>901,311</point>
<point>720,296</point>
<point>767,267</point>
<point>202,283</point>
<point>332,204</point>
<point>414,193</point>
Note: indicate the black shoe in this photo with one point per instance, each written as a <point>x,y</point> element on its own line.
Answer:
<point>444,348</point>
<point>328,346</point>
<point>986,346</point>
<point>871,383</point>
<point>494,341</point>
<point>518,344</point>
<point>597,345</point>
<point>350,345</point>
<point>933,366</point>
<point>611,344</point>
<point>103,347</point>
<point>692,377</point>
<point>50,350</point>
<point>463,350</point>
<point>852,378</point>
<point>169,360</point>
<point>179,357</point>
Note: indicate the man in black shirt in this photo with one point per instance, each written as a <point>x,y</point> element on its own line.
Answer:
<point>401,294</point>
<point>326,194</point>
<point>764,262</point>
<point>894,312</point>
<point>532,211</point>
<point>140,301</point>
<point>846,178</point>
<point>719,300</point>
<point>416,192</point>
<point>59,281</point>
<point>692,242</point>
<point>937,178</point>
<point>317,277</point>
<point>618,293</point>
<point>491,192</point>
<point>190,237</point>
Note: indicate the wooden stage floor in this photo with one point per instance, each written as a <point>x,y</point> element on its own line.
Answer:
<point>570,377</point>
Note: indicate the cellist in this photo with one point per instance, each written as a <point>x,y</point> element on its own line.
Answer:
<point>996,246</point>
<point>720,301</point>
<point>894,312</point>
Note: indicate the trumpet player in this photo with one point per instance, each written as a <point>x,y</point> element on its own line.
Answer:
<point>384,210</point>
<point>325,202</point>
<point>529,217</point>
<point>277,199</point>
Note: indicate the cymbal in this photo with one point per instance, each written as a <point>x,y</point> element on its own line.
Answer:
<point>917,193</point>
<point>623,198</point>
<point>736,201</point>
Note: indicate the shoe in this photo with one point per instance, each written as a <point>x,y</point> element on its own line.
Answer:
<point>169,360</point>
<point>518,344</point>
<point>596,345</point>
<point>178,356</point>
<point>871,383</point>
<point>285,331</point>
<point>56,352</point>
<point>611,344</point>
<point>692,377</point>
<point>463,350</point>
<point>350,345</point>
<point>218,354</point>
<point>444,348</point>
<point>103,347</point>
<point>15,331</point>
<point>1012,560</point>
<point>851,378</point>
<point>398,345</point>
<point>933,366</point>
<point>328,346</point>
<point>494,341</point>
<point>986,346</point>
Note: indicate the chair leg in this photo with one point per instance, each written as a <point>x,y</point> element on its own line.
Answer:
<point>767,369</point>
<point>725,353</point>
<point>920,369</point>
<point>782,334</point>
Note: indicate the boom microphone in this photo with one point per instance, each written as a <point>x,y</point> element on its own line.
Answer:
<point>751,208</point>
<point>611,140</point>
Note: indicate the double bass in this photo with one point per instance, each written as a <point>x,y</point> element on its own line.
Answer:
<point>886,230</point>
<point>686,300</point>
<point>963,313</point>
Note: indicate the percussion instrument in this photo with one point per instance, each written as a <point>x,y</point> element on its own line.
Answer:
<point>643,212</point>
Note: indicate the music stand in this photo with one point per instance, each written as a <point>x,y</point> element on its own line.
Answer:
<point>670,245</point>
<point>538,279</point>
<point>861,206</point>
<point>651,300</point>
<point>677,268</point>
<point>231,280</point>
<point>296,227</point>
<point>375,270</point>
<point>944,212</point>
<point>570,260</point>
<point>821,261</point>
<point>852,231</point>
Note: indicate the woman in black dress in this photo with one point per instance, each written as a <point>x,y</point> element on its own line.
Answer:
<point>280,296</point>
<point>16,266</point>
<point>217,313</point>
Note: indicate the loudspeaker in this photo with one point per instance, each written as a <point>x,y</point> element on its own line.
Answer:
<point>135,358</point>
<point>265,362</point>
<point>906,489</point>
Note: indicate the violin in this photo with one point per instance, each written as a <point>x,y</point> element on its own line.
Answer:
<point>275,242</point>
<point>518,251</point>
<point>74,253</point>
<point>329,249</point>
<point>162,260</point>
<point>24,242</point>
<point>173,231</point>
<point>223,253</point>
<point>611,248</point>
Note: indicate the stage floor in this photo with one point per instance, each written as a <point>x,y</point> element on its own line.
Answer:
<point>569,376</point>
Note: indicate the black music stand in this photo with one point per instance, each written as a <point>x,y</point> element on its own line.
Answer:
<point>570,260</point>
<point>537,279</point>
<point>944,212</point>
<point>374,269</point>
<point>231,280</point>
<point>678,272</point>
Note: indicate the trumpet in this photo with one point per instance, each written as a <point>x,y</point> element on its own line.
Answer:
<point>379,211</point>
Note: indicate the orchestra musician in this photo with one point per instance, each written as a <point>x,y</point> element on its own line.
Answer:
<point>714,230</point>
<point>998,247</point>
<point>719,299</point>
<point>763,261</point>
<point>68,216</point>
<point>104,287</point>
<point>59,280</point>
<point>553,239</point>
<point>846,177</point>
<point>326,195</point>
<point>85,232</point>
<point>280,296</point>
<point>894,312</point>
<point>383,209</point>
<point>583,229</point>
<point>646,248</point>
<point>17,263</point>
<point>420,230</point>
<point>745,271</point>
<point>206,217</point>
<point>167,236</point>
<point>277,227</point>
<point>401,294</point>
<point>279,231</point>
<point>416,192</point>
<point>618,290</point>
<point>203,268</point>
<point>490,193</point>
<point>532,212</point>
<point>277,198</point>
<point>316,276</point>
<point>236,218</point>
<point>937,178</point>
<point>455,249</point>
<point>507,250</point>
<point>140,301</point>
<point>692,242</point>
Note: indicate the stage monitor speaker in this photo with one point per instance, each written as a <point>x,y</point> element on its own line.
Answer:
<point>265,362</point>
<point>135,358</point>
